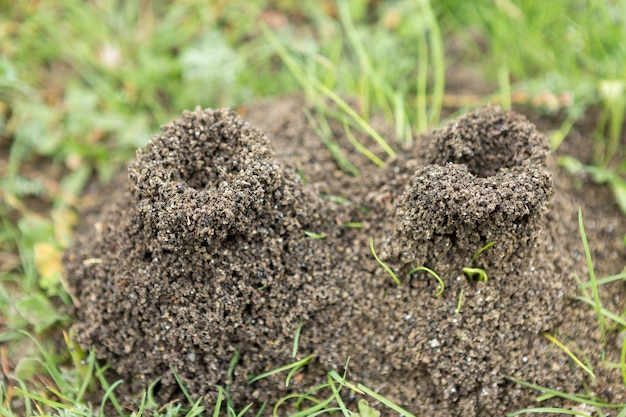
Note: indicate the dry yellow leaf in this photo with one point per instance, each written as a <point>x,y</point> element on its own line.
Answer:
<point>48,260</point>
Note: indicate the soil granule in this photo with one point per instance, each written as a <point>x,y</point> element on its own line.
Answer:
<point>219,241</point>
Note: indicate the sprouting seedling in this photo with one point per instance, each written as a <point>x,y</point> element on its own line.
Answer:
<point>459,303</point>
<point>384,265</point>
<point>434,274</point>
<point>481,250</point>
<point>478,274</point>
<point>296,340</point>
<point>315,235</point>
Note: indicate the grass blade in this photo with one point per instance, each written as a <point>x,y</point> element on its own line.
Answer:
<point>439,66</point>
<point>597,305</point>
<point>384,265</point>
<point>434,274</point>
<point>569,353</point>
<point>623,360</point>
<point>604,312</point>
<point>218,403</point>
<point>422,85</point>
<point>360,147</point>
<point>505,87</point>
<point>366,127</point>
<point>385,401</point>
<point>295,365</point>
<point>325,135</point>
<point>481,250</point>
<point>548,410</point>
<point>577,398</point>
<point>603,281</point>
<point>296,339</point>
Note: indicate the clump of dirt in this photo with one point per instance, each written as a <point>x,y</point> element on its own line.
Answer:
<point>205,253</point>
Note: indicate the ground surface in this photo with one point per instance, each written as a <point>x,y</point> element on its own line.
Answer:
<point>201,251</point>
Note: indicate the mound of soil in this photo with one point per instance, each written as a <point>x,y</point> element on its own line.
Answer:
<point>221,241</point>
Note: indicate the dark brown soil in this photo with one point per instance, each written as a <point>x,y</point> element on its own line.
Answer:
<point>202,252</point>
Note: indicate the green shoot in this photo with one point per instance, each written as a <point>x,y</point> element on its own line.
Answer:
<point>108,395</point>
<point>619,320</point>
<point>569,353</point>
<point>478,274</point>
<point>543,410</point>
<point>343,381</point>
<point>614,109</point>
<point>261,409</point>
<point>323,132</point>
<point>335,199</point>
<point>296,339</point>
<point>422,85</point>
<point>379,85</point>
<point>147,398</point>
<point>481,250</point>
<point>360,147</point>
<point>558,136</point>
<point>353,225</point>
<point>297,365</point>
<point>40,399</point>
<point>602,281</point>
<point>182,386</point>
<point>337,396</point>
<point>242,412</point>
<point>623,360</point>
<point>291,64</point>
<point>218,403</point>
<point>592,278</point>
<point>460,302</point>
<point>302,176</point>
<point>315,235</point>
<point>233,362</point>
<point>366,127</point>
<point>433,33</point>
<point>403,128</point>
<point>385,401</point>
<point>434,274</point>
<point>313,86</point>
<point>505,86</point>
<point>319,405</point>
<point>552,393</point>
<point>384,265</point>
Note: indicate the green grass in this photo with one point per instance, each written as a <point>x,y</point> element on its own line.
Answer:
<point>386,267</point>
<point>433,274</point>
<point>591,299</point>
<point>83,84</point>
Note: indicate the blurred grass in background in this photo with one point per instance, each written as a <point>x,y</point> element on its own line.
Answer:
<point>85,83</point>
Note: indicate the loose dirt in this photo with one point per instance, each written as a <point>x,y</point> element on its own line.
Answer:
<point>201,251</point>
